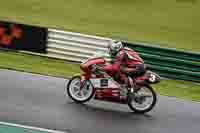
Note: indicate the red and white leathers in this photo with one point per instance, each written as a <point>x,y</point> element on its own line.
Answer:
<point>125,61</point>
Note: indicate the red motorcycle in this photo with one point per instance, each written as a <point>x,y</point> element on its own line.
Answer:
<point>100,85</point>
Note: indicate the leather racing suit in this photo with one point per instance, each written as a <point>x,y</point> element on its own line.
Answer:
<point>125,62</point>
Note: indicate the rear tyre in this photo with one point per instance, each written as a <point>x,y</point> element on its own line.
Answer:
<point>77,95</point>
<point>136,100</point>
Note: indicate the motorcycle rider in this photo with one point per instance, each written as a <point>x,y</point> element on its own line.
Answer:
<point>125,61</point>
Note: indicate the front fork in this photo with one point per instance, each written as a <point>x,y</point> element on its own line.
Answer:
<point>84,80</point>
<point>129,81</point>
<point>134,85</point>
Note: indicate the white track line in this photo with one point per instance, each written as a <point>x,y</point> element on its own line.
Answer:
<point>30,127</point>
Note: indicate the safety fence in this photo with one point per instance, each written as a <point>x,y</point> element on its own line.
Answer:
<point>78,47</point>
<point>170,62</point>
<point>74,46</point>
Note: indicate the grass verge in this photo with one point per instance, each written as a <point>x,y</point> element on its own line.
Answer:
<point>172,23</point>
<point>60,68</point>
<point>37,64</point>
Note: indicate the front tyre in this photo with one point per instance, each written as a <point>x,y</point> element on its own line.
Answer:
<point>143,100</point>
<point>80,95</point>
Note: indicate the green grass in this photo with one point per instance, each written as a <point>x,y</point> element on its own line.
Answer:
<point>60,68</point>
<point>180,89</point>
<point>170,23</point>
<point>37,64</point>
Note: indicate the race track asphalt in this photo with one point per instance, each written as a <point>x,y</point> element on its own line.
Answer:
<point>39,101</point>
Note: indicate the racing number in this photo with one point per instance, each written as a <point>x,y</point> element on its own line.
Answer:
<point>152,78</point>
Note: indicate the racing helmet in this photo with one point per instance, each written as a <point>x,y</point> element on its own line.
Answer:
<point>114,47</point>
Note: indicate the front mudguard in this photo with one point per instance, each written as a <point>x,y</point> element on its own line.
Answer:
<point>77,74</point>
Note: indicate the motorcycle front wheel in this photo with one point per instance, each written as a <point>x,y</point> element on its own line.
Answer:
<point>80,95</point>
<point>143,100</point>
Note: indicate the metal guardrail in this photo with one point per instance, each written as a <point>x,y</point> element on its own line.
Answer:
<point>167,62</point>
<point>170,63</point>
<point>74,46</point>
<point>165,52</point>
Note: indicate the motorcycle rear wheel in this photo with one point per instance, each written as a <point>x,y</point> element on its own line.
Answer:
<point>134,104</point>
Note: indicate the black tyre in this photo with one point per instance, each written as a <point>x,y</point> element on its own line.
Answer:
<point>133,101</point>
<point>77,95</point>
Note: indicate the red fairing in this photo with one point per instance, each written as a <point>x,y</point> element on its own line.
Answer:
<point>94,61</point>
<point>135,58</point>
<point>109,94</point>
<point>86,66</point>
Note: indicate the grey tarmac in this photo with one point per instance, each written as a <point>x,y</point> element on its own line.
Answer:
<point>40,101</point>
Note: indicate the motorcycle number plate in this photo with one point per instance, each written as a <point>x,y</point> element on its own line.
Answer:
<point>104,82</point>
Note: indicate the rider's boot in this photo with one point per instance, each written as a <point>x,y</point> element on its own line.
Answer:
<point>123,91</point>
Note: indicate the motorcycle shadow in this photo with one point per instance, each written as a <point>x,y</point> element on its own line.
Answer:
<point>106,109</point>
